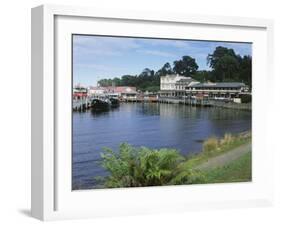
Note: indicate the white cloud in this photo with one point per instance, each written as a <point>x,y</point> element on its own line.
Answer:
<point>156,53</point>
<point>103,46</point>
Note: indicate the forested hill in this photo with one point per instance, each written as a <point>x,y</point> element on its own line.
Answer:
<point>225,65</point>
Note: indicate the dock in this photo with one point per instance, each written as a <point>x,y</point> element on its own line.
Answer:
<point>85,104</point>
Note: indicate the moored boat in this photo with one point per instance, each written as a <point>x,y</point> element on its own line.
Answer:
<point>100,105</point>
<point>114,102</point>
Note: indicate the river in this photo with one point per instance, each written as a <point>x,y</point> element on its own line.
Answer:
<point>152,125</point>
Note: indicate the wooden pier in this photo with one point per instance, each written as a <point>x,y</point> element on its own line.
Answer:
<point>207,103</point>
<point>192,102</point>
<point>84,104</point>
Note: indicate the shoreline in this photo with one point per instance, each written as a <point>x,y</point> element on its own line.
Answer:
<point>225,158</point>
<point>232,143</point>
<point>84,106</point>
<point>230,150</point>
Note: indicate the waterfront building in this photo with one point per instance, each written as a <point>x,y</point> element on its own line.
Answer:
<point>80,100</point>
<point>175,86</point>
<point>218,90</point>
<point>96,91</point>
<point>79,93</point>
<point>183,84</point>
<point>150,96</point>
<point>168,85</point>
<point>122,92</point>
<point>168,82</point>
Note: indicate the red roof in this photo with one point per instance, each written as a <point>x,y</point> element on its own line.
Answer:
<point>79,94</point>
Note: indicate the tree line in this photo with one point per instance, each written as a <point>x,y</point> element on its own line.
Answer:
<point>225,64</point>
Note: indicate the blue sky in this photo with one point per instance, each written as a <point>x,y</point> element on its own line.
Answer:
<point>98,57</point>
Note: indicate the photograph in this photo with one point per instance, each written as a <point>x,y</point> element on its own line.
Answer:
<point>150,111</point>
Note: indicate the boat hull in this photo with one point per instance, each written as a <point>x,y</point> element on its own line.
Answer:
<point>99,105</point>
<point>114,102</point>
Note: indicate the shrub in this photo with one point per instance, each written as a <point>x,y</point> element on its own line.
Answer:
<point>227,139</point>
<point>210,145</point>
<point>187,175</point>
<point>138,167</point>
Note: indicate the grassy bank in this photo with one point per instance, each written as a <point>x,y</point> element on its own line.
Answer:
<point>214,146</point>
<point>239,170</point>
<point>138,167</point>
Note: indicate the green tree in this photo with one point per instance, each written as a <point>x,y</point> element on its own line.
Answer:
<point>148,80</point>
<point>228,67</point>
<point>187,66</point>
<point>165,70</point>
<point>245,70</point>
<point>116,81</point>
<point>105,82</point>
<point>202,76</point>
<point>128,80</point>
<point>224,63</point>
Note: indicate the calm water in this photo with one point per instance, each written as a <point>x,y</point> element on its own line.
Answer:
<point>152,125</point>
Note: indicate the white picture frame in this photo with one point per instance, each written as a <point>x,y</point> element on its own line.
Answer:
<point>52,197</point>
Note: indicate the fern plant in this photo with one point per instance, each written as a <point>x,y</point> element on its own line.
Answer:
<point>138,167</point>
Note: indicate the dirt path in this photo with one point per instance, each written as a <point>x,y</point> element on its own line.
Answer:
<point>226,158</point>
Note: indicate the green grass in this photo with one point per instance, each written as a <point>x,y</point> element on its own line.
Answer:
<point>221,146</point>
<point>239,170</point>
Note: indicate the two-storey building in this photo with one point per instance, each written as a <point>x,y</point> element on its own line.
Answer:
<point>169,84</point>
<point>175,86</point>
<point>217,90</point>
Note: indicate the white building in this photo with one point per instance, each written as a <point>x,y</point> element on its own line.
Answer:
<point>168,82</point>
<point>184,83</point>
<point>96,91</point>
<point>218,90</point>
<point>175,85</point>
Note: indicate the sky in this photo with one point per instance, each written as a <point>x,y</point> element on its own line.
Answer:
<point>99,57</point>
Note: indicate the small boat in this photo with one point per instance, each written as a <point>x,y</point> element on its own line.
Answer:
<point>100,105</point>
<point>114,102</point>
